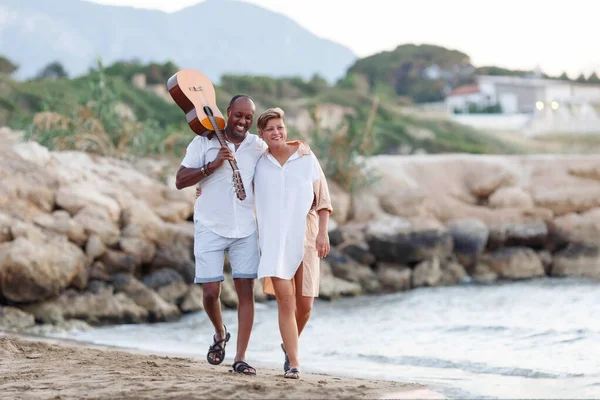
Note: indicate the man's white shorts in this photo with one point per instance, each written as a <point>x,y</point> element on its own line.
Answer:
<point>210,248</point>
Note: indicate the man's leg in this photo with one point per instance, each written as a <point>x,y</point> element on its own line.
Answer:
<point>209,251</point>
<point>244,259</point>
<point>245,291</point>
<point>211,298</point>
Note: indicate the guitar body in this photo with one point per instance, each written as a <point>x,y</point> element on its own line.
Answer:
<point>192,90</point>
<point>195,94</point>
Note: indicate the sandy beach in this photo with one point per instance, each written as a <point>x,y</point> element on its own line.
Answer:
<point>41,368</point>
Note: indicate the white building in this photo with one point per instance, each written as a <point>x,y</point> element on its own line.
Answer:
<point>531,105</point>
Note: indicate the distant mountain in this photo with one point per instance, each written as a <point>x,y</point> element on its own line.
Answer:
<point>216,37</point>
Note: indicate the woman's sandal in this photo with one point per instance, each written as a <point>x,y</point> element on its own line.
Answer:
<point>292,373</point>
<point>286,364</point>
<point>218,349</point>
<point>242,367</point>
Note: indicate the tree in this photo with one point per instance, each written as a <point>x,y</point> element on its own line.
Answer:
<point>6,66</point>
<point>54,70</point>
<point>154,73</point>
<point>593,78</point>
<point>169,69</point>
<point>581,79</point>
<point>564,77</point>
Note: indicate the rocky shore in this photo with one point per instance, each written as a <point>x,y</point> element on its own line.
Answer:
<point>90,240</point>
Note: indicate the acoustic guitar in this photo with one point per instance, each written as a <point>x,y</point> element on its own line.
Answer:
<point>195,94</point>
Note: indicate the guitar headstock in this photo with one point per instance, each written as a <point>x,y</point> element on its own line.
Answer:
<point>238,185</point>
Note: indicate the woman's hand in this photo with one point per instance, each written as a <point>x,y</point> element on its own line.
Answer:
<point>322,244</point>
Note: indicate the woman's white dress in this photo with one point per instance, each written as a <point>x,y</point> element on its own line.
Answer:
<point>284,195</point>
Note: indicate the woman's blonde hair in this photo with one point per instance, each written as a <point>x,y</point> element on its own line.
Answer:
<point>268,115</point>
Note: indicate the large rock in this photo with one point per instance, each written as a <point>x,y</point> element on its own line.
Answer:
<point>31,271</point>
<point>470,237</point>
<point>331,288</point>
<point>169,284</point>
<point>23,180</point>
<point>577,260</point>
<point>61,222</point>
<point>162,277</point>
<point>96,221</point>
<point>175,211</point>
<point>5,231</point>
<point>340,201</point>
<point>366,207</point>
<point>136,244</point>
<point>350,239</point>
<point>176,251</point>
<point>427,273</point>
<point>140,214</point>
<point>394,277</point>
<point>75,197</point>
<point>12,318</point>
<point>516,263</point>
<point>401,240</point>
<point>116,261</point>
<point>96,308</point>
<point>192,300</point>
<point>158,308</point>
<point>531,232</point>
<point>495,189</point>
<point>511,197</point>
<point>349,270</point>
<point>564,200</point>
<point>453,273</point>
<point>581,228</point>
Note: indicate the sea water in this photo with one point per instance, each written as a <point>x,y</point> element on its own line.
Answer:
<point>528,339</point>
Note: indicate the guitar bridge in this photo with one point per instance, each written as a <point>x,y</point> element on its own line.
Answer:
<point>195,88</point>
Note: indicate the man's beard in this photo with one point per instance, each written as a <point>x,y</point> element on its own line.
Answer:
<point>233,134</point>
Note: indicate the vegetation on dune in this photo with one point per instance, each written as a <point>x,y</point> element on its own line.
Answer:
<point>105,113</point>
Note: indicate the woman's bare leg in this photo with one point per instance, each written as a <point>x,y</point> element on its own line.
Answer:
<point>286,308</point>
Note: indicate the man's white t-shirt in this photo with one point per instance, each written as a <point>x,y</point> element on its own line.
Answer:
<point>218,208</point>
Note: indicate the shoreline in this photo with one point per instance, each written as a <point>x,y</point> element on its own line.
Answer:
<point>39,367</point>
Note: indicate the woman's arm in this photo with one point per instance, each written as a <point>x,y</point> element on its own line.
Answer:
<point>323,208</point>
<point>322,243</point>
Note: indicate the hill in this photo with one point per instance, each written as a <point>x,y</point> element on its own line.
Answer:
<point>207,36</point>
<point>423,73</point>
<point>427,73</point>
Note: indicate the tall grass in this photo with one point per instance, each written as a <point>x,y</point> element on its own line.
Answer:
<point>342,151</point>
<point>97,121</point>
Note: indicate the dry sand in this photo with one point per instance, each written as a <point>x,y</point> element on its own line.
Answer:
<point>36,368</point>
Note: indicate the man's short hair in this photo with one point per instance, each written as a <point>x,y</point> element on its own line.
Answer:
<point>265,117</point>
<point>238,96</point>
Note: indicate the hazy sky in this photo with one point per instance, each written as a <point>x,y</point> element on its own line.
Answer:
<point>520,34</point>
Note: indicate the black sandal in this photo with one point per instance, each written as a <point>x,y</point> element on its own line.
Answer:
<point>292,373</point>
<point>218,349</point>
<point>286,364</point>
<point>242,367</point>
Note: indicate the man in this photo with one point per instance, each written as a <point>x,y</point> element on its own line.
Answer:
<point>224,223</point>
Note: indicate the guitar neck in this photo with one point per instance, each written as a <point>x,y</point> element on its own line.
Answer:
<point>220,136</point>
<point>222,141</point>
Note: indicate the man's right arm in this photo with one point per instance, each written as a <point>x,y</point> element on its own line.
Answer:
<point>191,176</point>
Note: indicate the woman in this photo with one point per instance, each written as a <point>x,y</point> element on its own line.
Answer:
<point>292,205</point>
